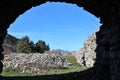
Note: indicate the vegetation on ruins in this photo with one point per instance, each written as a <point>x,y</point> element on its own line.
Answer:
<point>24,45</point>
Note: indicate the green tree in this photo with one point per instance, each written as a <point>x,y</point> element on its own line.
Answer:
<point>41,46</point>
<point>47,47</point>
<point>32,46</point>
<point>24,46</point>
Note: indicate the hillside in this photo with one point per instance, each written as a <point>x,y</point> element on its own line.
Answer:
<point>10,43</point>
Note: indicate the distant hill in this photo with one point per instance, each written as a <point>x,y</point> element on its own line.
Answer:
<point>61,51</point>
<point>10,43</point>
<point>64,51</point>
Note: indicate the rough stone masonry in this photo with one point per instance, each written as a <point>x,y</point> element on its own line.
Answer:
<point>86,56</point>
<point>107,65</point>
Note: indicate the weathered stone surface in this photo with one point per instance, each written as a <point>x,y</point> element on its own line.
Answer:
<point>86,56</point>
<point>34,63</point>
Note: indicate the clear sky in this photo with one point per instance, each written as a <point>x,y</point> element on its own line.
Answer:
<point>61,25</point>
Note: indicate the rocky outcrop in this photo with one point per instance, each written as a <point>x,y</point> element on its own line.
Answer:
<point>10,40</point>
<point>34,63</point>
<point>10,44</point>
<point>86,56</point>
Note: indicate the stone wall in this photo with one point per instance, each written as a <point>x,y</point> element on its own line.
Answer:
<point>34,63</point>
<point>86,56</point>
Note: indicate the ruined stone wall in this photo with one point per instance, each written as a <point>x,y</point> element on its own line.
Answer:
<point>107,65</point>
<point>86,56</point>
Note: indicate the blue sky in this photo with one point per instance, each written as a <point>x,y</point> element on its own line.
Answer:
<point>61,25</point>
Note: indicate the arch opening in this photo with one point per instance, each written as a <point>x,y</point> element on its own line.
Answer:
<point>56,19</point>
<point>9,18</point>
<point>74,24</point>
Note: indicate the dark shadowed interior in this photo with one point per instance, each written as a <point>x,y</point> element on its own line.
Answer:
<point>107,65</point>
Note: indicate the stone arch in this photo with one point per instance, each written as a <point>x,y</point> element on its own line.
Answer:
<point>108,37</point>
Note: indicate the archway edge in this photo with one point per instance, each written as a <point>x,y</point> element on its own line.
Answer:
<point>108,40</point>
<point>10,10</point>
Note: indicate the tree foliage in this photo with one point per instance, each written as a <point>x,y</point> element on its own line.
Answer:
<point>26,46</point>
<point>32,46</point>
<point>23,45</point>
<point>41,46</point>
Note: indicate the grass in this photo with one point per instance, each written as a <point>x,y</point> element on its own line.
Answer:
<point>50,72</point>
<point>13,73</point>
<point>79,75</point>
<point>70,58</point>
<point>62,71</point>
